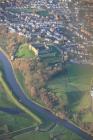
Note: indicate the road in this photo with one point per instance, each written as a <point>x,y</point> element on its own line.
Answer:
<point>20,95</point>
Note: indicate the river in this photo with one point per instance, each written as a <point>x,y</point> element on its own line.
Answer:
<point>20,95</point>
<point>11,111</point>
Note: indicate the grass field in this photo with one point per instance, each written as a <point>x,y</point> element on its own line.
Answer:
<point>19,10</point>
<point>15,122</point>
<point>20,78</point>
<point>73,87</point>
<point>4,99</point>
<point>58,132</point>
<point>43,13</point>
<point>24,52</point>
<point>16,102</point>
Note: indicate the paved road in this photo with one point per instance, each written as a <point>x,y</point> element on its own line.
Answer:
<point>20,95</point>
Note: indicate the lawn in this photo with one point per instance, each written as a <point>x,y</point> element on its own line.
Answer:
<point>24,52</point>
<point>43,13</point>
<point>73,87</point>
<point>59,132</point>
<point>15,122</point>
<point>21,80</point>
<point>4,99</point>
<point>19,10</point>
<point>16,101</point>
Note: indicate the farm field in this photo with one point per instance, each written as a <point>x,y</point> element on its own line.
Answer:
<point>14,121</point>
<point>58,132</point>
<point>73,88</point>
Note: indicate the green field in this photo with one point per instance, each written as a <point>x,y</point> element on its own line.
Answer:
<point>19,10</point>
<point>24,52</point>
<point>15,122</point>
<point>73,88</point>
<point>4,99</point>
<point>43,13</point>
<point>21,80</point>
<point>17,102</point>
<point>58,132</point>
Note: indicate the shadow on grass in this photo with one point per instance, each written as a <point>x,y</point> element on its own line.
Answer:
<point>74,97</point>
